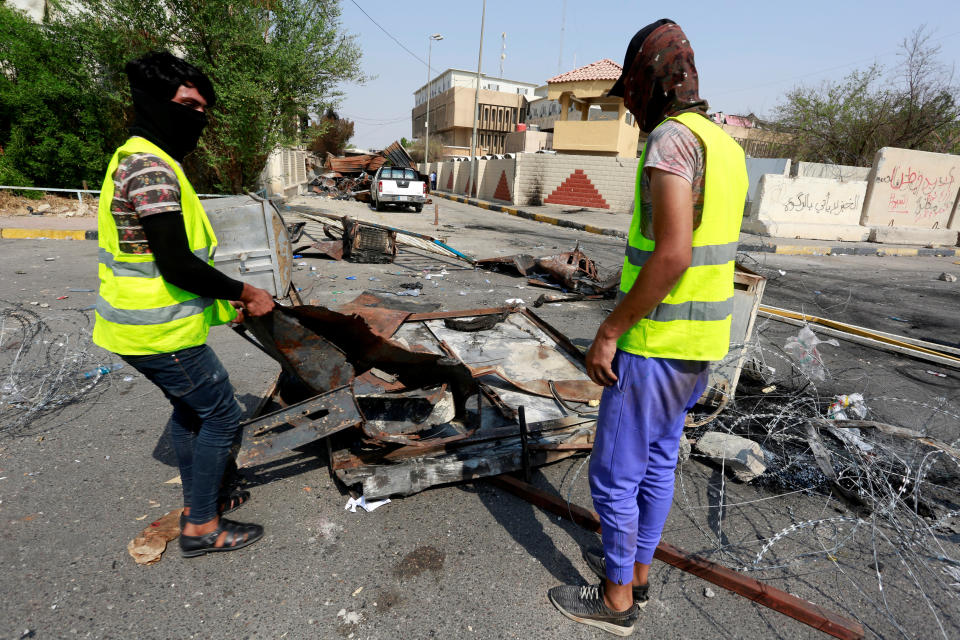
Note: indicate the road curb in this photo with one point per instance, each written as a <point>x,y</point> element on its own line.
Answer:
<point>529,215</point>
<point>15,233</point>
<point>747,246</point>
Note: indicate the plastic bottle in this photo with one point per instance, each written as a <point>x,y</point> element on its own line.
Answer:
<point>103,370</point>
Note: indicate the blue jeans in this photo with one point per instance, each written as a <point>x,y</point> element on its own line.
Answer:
<point>204,424</point>
<point>635,453</point>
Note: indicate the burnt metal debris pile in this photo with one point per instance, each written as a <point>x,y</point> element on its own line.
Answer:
<point>571,272</point>
<point>414,400</point>
<point>350,177</point>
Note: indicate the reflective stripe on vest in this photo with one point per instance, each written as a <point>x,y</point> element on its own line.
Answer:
<point>124,269</point>
<point>693,310</point>
<point>701,256</point>
<point>157,315</point>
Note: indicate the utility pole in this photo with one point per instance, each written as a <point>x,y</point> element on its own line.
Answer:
<point>426,119</point>
<point>503,51</point>
<point>563,27</point>
<point>475,159</point>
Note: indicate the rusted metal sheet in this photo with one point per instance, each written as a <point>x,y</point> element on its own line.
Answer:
<point>398,156</point>
<point>266,439</point>
<point>761,593</point>
<point>304,353</point>
<point>383,321</point>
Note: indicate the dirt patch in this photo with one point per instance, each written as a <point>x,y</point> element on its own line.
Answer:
<point>420,560</point>
<point>13,205</point>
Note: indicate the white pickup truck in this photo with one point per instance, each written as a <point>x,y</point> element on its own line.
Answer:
<point>396,185</point>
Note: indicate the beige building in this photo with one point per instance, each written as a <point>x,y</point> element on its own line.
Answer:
<point>502,106</point>
<point>588,122</point>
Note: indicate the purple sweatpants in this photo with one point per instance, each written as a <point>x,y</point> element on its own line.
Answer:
<point>635,454</point>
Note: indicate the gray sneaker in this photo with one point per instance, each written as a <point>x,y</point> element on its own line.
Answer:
<point>585,604</point>
<point>598,564</point>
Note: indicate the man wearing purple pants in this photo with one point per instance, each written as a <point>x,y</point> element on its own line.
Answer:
<point>673,318</point>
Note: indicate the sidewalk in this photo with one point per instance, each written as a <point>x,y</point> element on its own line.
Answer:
<point>48,227</point>
<point>603,222</point>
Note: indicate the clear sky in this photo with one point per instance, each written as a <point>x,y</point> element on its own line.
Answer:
<point>748,53</point>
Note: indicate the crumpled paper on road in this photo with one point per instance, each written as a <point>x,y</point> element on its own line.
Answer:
<point>147,547</point>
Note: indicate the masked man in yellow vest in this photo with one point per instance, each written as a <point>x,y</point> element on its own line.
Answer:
<point>160,294</point>
<point>672,318</point>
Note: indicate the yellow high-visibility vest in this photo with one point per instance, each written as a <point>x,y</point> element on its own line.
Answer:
<point>693,321</point>
<point>138,312</point>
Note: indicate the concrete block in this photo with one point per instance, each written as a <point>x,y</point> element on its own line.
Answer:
<point>912,189</point>
<point>758,167</point>
<point>743,457</point>
<point>842,172</point>
<point>913,235</point>
<point>811,208</point>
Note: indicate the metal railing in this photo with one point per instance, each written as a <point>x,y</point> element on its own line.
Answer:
<point>80,192</point>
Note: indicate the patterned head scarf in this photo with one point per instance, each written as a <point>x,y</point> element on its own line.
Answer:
<point>662,80</point>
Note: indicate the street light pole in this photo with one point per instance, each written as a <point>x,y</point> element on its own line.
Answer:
<point>426,120</point>
<point>476,106</point>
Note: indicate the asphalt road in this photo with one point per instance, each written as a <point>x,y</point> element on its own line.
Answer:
<point>467,561</point>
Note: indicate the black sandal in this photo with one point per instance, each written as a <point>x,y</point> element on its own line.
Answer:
<point>239,535</point>
<point>225,504</point>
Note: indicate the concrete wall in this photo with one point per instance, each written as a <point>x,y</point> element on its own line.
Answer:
<point>911,197</point>
<point>587,181</point>
<point>812,208</point>
<point>842,172</point>
<point>285,173</point>
<point>758,167</point>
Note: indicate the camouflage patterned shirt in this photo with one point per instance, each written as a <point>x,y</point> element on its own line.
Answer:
<point>143,185</point>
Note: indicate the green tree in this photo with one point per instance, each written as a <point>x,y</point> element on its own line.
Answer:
<point>56,129</point>
<point>330,134</point>
<point>914,106</point>
<point>270,61</point>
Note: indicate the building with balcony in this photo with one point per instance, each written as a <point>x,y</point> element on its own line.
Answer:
<point>588,122</point>
<point>502,105</point>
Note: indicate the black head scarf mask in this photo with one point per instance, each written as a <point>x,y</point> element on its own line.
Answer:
<point>173,127</point>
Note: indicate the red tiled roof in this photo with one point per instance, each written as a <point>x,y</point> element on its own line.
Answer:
<point>605,69</point>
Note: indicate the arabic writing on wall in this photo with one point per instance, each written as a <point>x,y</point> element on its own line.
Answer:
<point>923,195</point>
<point>828,204</point>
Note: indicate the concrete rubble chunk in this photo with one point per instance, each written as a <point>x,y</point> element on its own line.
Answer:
<point>947,277</point>
<point>742,456</point>
<point>684,453</point>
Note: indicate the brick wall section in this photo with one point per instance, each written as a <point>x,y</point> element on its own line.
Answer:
<point>577,190</point>
<point>503,189</point>
<point>613,178</point>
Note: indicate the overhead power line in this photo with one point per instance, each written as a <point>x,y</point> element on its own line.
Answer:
<point>402,46</point>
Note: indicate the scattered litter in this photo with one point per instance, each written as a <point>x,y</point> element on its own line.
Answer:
<point>128,378</point>
<point>297,256</point>
<point>44,305</point>
<point>803,349</point>
<point>361,502</point>
<point>781,272</point>
<point>63,297</point>
<point>147,547</point>
<point>103,370</point>
<point>76,290</point>
<point>301,264</point>
<point>174,480</point>
<point>937,373</point>
<point>897,319</point>
<point>514,301</point>
<point>407,292</point>
<point>373,279</point>
<point>350,278</point>
<point>708,592</point>
<point>847,407</point>
<point>357,592</point>
<point>350,617</point>
<point>947,277</point>
<point>463,293</point>
<point>769,389</point>
<point>141,517</point>
<point>819,293</point>
<point>49,259</point>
